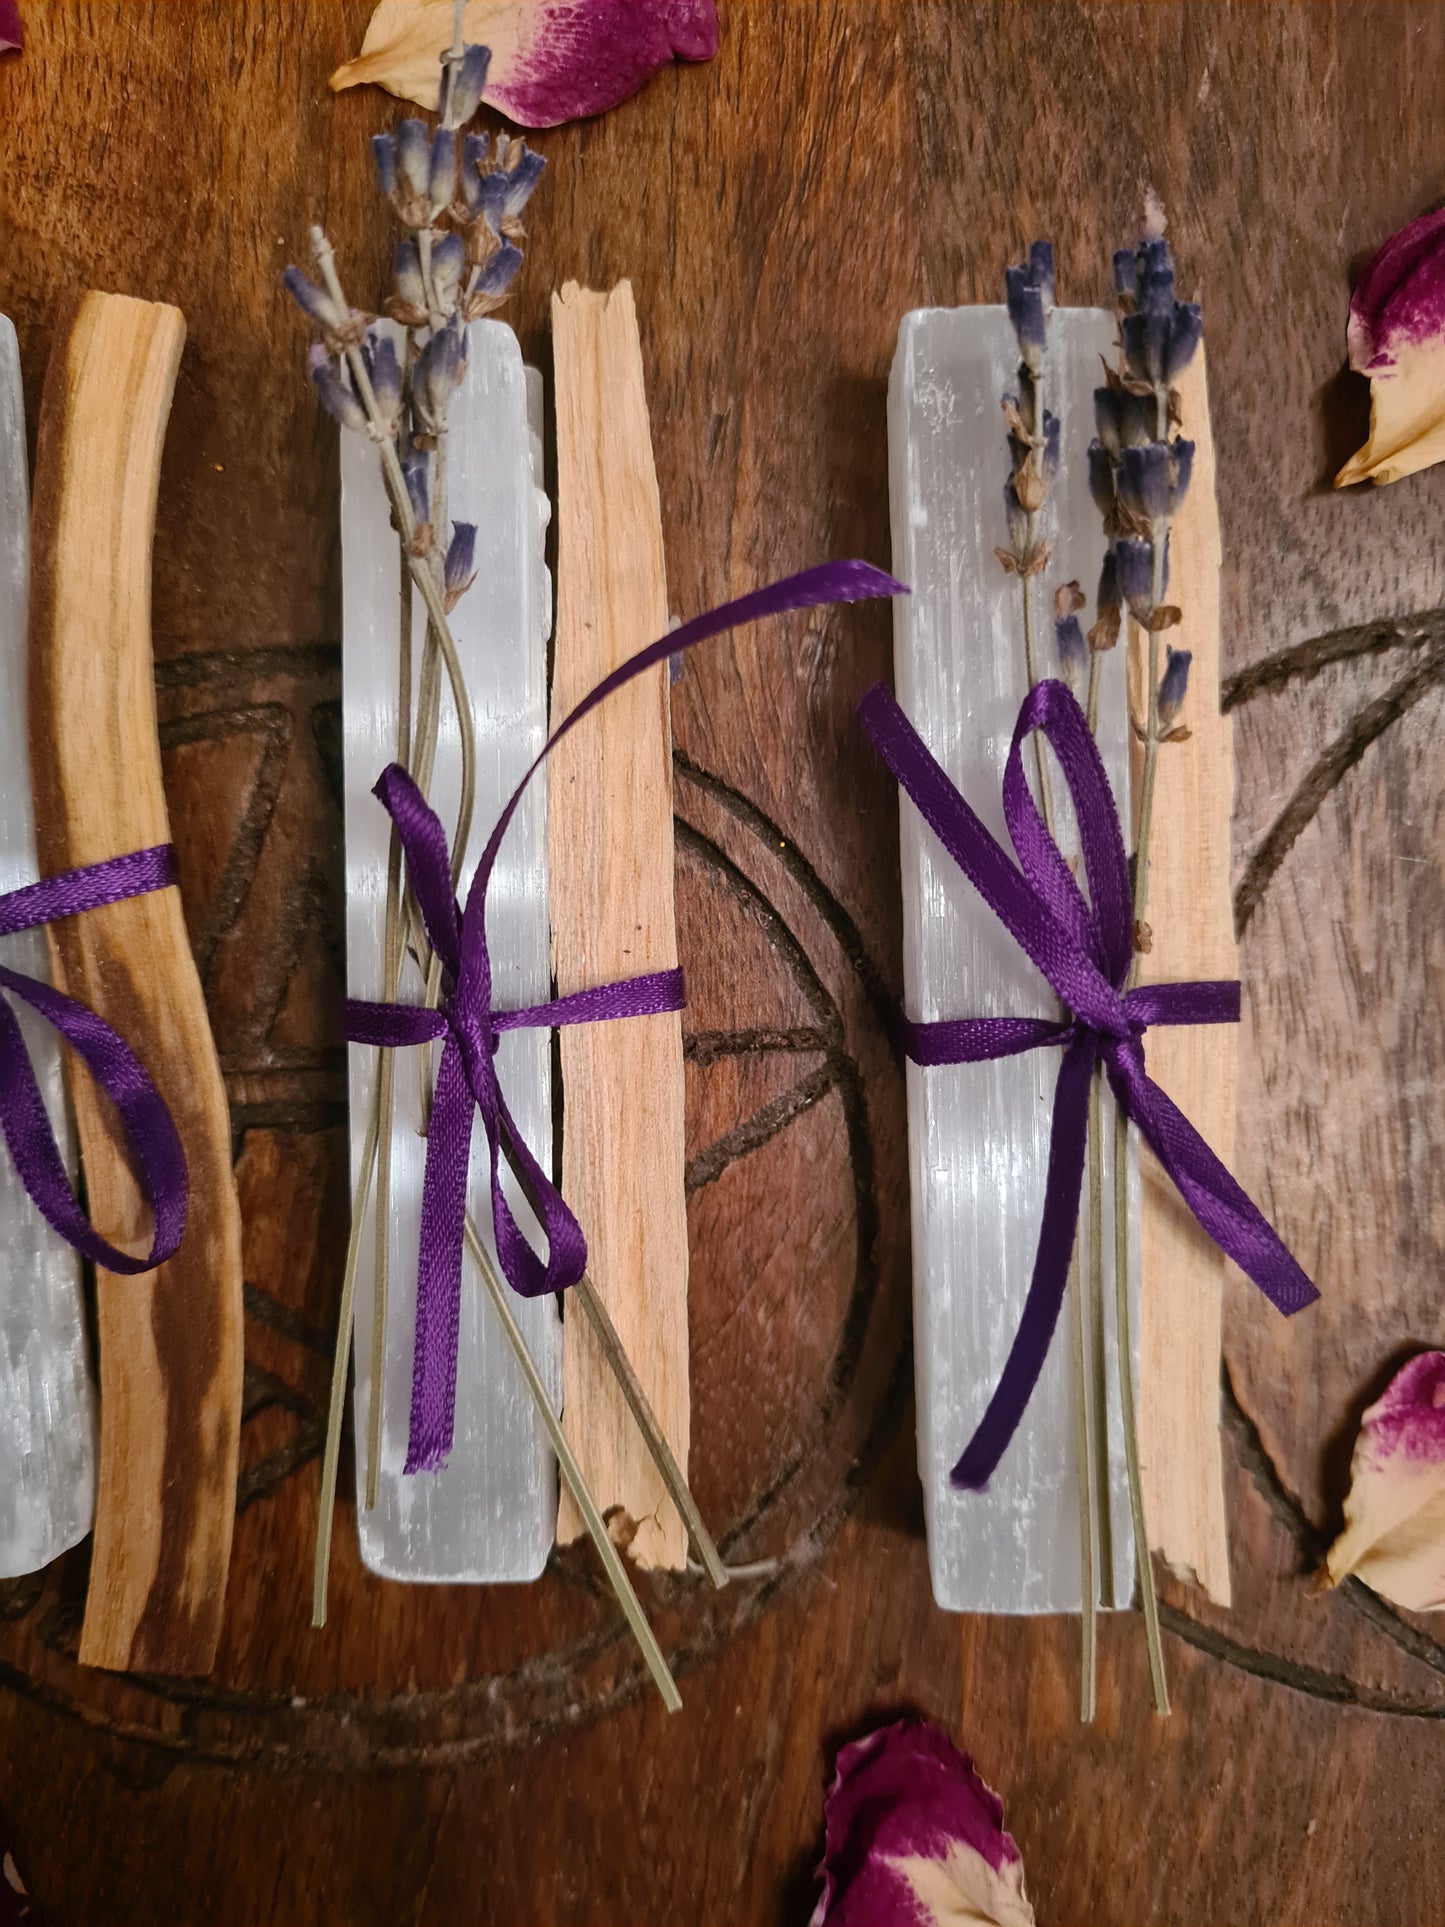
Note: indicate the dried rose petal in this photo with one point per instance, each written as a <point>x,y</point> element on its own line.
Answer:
<point>1394,1536</point>
<point>915,1839</point>
<point>1397,337</point>
<point>9,26</point>
<point>552,60</point>
<point>14,1896</point>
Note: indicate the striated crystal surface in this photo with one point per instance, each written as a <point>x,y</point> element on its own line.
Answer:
<point>978,1133</point>
<point>490,1513</point>
<point>47,1409</point>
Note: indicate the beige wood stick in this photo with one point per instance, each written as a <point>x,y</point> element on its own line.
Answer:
<point>1192,919</point>
<point>170,1340</point>
<point>609,843</point>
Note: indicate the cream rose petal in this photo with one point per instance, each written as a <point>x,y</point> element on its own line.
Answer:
<point>552,60</point>
<point>1394,1536</point>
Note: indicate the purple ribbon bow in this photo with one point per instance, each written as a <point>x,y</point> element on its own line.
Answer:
<point>1084,949</point>
<point>470,1027</point>
<point>159,1159</point>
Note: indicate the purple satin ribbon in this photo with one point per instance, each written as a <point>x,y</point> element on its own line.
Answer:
<point>469,1028</point>
<point>160,1163</point>
<point>1084,949</point>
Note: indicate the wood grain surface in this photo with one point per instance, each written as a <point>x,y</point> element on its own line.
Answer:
<point>447,1756</point>
<point>610,894</point>
<point>1191,919</point>
<point>171,1339</point>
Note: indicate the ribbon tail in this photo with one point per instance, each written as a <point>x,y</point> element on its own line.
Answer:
<point>566,1245</point>
<point>1224,1211</point>
<point>159,1160</point>
<point>1051,1272</point>
<point>439,1270</point>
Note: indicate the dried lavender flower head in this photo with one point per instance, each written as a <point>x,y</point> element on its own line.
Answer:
<point>1152,481</point>
<point>459,199</point>
<point>341,327</point>
<point>462,197</point>
<point>1068,635</point>
<point>437,375</point>
<point>1159,334</point>
<point>334,390</point>
<point>1033,433</point>
<point>1108,610</point>
<point>1134,572</point>
<point>1139,468</point>
<point>1029,293</point>
<point>463,84</point>
<point>1173,685</point>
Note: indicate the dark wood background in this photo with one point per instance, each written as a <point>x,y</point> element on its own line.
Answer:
<point>460,1756</point>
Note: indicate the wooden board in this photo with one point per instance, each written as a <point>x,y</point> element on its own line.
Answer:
<point>358,1776</point>
<point>610,859</point>
<point>170,1340</point>
<point>1191,918</point>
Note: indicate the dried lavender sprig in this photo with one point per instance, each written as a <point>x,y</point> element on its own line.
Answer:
<point>1076,648</point>
<point>375,395</point>
<point>1034,452</point>
<point>381,429</point>
<point>609,1340</point>
<point>1158,338</point>
<point>422,576</point>
<point>572,1473</point>
<point>340,1358</point>
<point>1034,446</point>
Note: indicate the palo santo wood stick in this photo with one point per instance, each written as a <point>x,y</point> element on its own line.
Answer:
<point>610,855</point>
<point>170,1340</point>
<point>1192,921</point>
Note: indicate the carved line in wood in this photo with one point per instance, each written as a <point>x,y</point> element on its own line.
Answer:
<point>271,724</point>
<point>1329,770</point>
<point>1310,1540</point>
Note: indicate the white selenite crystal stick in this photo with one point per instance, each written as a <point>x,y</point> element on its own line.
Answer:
<point>490,1513</point>
<point>979,1133</point>
<point>47,1408</point>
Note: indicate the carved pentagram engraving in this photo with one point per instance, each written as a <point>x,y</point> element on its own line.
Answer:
<point>788,1057</point>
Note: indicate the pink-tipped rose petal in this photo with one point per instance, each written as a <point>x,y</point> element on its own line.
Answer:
<point>9,26</point>
<point>913,1838</point>
<point>1394,1536</point>
<point>1396,336</point>
<point>552,60</point>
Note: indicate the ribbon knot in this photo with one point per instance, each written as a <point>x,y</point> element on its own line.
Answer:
<point>159,1162</point>
<point>470,1030</point>
<point>1084,949</point>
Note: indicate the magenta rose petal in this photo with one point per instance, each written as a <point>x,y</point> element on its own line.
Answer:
<point>1396,336</point>
<point>914,1838</point>
<point>552,60</point>
<point>9,26</point>
<point>1394,1536</point>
